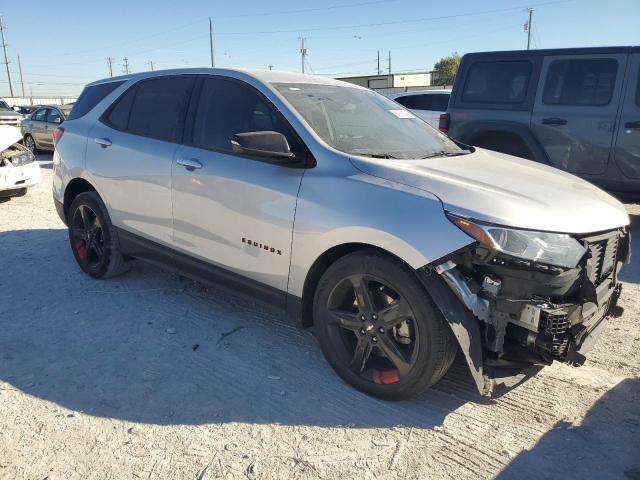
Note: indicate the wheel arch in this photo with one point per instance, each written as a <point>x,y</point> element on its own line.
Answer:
<point>320,265</point>
<point>74,188</point>
<point>474,132</point>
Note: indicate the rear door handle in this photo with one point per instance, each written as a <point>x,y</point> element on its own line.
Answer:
<point>189,163</point>
<point>554,121</point>
<point>633,125</point>
<point>103,142</point>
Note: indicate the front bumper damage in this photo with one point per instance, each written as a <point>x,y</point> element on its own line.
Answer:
<point>512,316</point>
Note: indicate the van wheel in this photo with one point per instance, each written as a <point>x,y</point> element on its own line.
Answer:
<point>378,327</point>
<point>93,239</point>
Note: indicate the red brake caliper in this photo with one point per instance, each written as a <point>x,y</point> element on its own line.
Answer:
<point>81,249</point>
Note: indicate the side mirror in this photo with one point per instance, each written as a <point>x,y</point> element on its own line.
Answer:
<point>57,120</point>
<point>262,144</point>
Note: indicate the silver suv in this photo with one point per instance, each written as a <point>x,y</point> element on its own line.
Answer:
<point>340,206</point>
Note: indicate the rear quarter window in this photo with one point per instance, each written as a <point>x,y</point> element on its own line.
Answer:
<point>580,82</point>
<point>90,97</point>
<point>499,82</point>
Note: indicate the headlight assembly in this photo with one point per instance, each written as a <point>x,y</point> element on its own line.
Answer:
<point>22,159</point>
<point>557,249</point>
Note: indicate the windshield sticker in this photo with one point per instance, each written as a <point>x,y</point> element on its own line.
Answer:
<point>402,114</point>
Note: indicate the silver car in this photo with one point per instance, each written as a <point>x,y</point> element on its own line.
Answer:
<point>37,129</point>
<point>395,244</point>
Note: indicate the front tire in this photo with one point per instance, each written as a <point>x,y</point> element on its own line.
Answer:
<point>30,143</point>
<point>93,239</point>
<point>378,327</point>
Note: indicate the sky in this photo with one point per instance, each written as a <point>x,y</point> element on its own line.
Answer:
<point>64,45</point>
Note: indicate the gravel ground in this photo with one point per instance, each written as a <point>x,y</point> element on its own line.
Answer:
<point>153,376</point>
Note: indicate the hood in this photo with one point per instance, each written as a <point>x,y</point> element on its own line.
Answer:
<point>505,190</point>
<point>8,136</point>
<point>9,113</point>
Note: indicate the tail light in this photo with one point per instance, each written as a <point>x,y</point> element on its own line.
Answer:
<point>57,135</point>
<point>443,125</point>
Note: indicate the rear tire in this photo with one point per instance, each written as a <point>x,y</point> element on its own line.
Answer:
<point>93,238</point>
<point>391,342</point>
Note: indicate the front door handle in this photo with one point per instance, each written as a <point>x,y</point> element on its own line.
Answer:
<point>554,121</point>
<point>103,142</point>
<point>189,163</point>
<point>633,125</point>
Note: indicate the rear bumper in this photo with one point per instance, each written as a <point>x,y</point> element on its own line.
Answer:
<point>12,178</point>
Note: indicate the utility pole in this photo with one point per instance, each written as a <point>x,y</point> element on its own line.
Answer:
<point>151,64</point>
<point>110,61</point>
<point>303,53</point>
<point>20,70</point>
<point>270,67</point>
<point>378,62</point>
<point>389,61</point>
<point>213,58</point>
<point>528,27</point>
<point>6,59</point>
<point>126,65</point>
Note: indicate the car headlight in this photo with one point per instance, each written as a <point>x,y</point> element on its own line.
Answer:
<point>557,249</point>
<point>22,159</point>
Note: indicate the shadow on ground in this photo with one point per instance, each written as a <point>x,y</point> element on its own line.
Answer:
<point>598,448</point>
<point>108,348</point>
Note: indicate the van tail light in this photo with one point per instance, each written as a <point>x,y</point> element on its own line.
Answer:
<point>57,135</point>
<point>443,125</point>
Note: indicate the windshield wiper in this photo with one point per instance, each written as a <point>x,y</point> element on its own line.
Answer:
<point>376,155</point>
<point>442,153</point>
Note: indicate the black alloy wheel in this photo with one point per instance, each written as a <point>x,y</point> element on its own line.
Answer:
<point>378,327</point>
<point>87,237</point>
<point>93,238</point>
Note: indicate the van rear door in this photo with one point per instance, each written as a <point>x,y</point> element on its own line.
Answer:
<point>575,109</point>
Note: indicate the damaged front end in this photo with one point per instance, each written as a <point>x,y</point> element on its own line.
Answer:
<point>515,303</point>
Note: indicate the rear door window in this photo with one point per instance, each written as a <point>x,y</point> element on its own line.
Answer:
<point>90,97</point>
<point>501,82</point>
<point>581,82</point>
<point>417,102</point>
<point>54,116</point>
<point>154,108</point>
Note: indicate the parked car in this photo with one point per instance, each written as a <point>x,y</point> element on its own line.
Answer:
<point>340,206</point>
<point>37,129</point>
<point>573,109</point>
<point>25,110</point>
<point>8,116</point>
<point>18,168</point>
<point>426,104</point>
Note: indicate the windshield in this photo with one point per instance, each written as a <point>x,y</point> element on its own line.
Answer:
<point>4,105</point>
<point>362,122</point>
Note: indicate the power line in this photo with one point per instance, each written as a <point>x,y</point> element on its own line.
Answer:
<point>396,22</point>
<point>307,10</point>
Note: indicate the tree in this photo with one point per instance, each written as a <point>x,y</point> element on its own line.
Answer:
<point>445,70</point>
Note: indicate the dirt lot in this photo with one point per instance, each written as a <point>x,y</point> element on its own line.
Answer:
<point>153,376</point>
